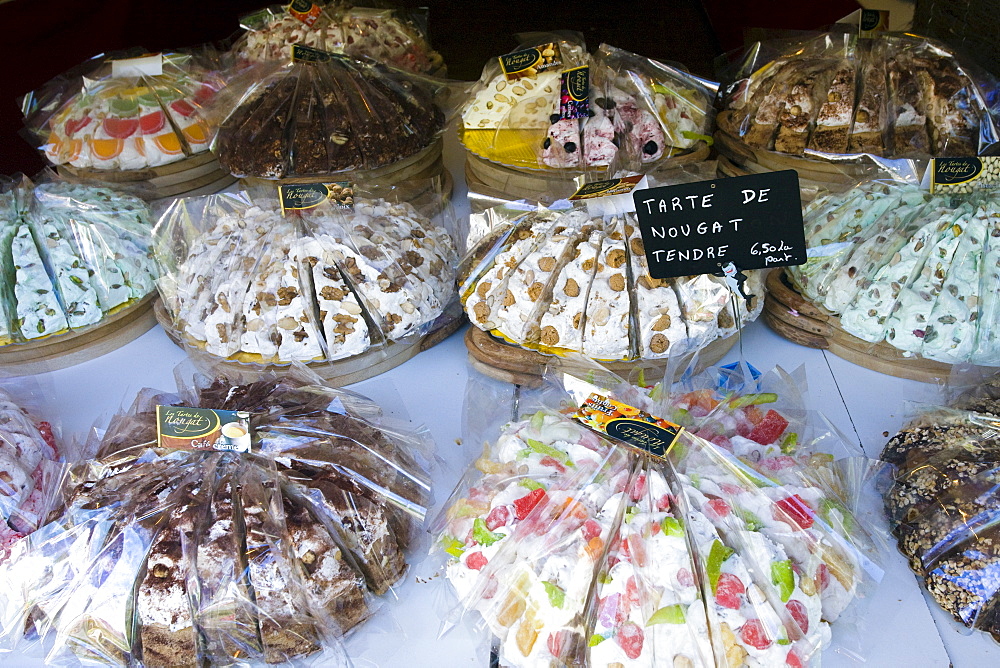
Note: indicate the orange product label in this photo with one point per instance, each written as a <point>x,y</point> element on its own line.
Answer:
<point>305,11</point>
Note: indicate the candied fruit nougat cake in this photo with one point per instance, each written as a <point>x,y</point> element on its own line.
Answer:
<point>833,122</point>
<point>869,116</point>
<point>801,106</point>
<point>661,326</point>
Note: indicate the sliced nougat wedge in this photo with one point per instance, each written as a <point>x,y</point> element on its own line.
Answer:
<point>761,124</point>
<point>908,118</point>
<point>529,286</point>
<point>287,627</point>
<point>660,329</point>
<point>226,616</point>
<point>906,327</point>
<point>163,603</point>
<point>345,329</point>
<point>950,107</point>
<point>561,324</point>
<point>833,122</point>
<point>607,328</point>
<point>38,310</point>
<point>867,132</point>
<point>801,106</point>
<point>72,277</point>
<point>950,330</point>
<point>488,293</point>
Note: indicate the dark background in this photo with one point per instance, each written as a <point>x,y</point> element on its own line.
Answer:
<point>42,40</point>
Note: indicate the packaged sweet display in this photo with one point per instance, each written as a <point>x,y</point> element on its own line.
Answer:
<point>391,36</point>
<point>243,282</point>
<point>321,113</point>
<point>29,456</point>
<point>901,266</point>
<point>168,557</point>
<point>126,114</point>
<point>561,281</point>
<point>574,549</point>
<point>70,256</point>
<point>831,95</point>
<point>941,504</point>
<point>628,113</point>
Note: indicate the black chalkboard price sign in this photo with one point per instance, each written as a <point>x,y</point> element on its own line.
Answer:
<point>754,222</point>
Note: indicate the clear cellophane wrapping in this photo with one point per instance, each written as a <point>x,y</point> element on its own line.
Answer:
<point>244,280</point>
<point>94,117</point>
<point>394,36</point>
<point>183,557</point>
<point>565,546</point>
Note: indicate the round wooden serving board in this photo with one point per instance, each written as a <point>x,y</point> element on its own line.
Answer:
<point>547,185</point>
<point>513,364</point>
<point>424,164</point>
<point>79,345</point>
<point>188,176</point>
<point>802,322</point>
<point>339,372</point>
<point>812,171</point>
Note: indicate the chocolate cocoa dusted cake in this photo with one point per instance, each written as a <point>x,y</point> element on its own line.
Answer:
<point>324,113</point>
<point>188,557</point>
<point>942,504</point>
<point>896,95</point>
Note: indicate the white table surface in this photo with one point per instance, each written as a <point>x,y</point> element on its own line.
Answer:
<point>896,628</point>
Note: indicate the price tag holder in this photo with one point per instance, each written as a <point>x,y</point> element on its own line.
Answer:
<point>306,11</point>
<point>190,428</point>
<point>144,66</point>
<point>721,226</point>
<point>964,175</point>
<point>301,196</point>
<point>529,62</point>
<point>637,428</point>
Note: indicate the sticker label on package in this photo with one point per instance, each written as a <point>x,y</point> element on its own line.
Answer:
<point>608,188</point>
<point>300,196</point>
<point>630,425</point>
<point>144,66</point>
<point>740,223</point>
<point>305,10</point>
<point>873,21</point>
<point>574,99</point>
<point>529,62</point>
<point>307,54</point>
<point>186,428</point>
<point>964,175</point>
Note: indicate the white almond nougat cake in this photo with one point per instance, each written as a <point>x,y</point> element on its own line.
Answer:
<point>581,284</point>
<point>326,284</point>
